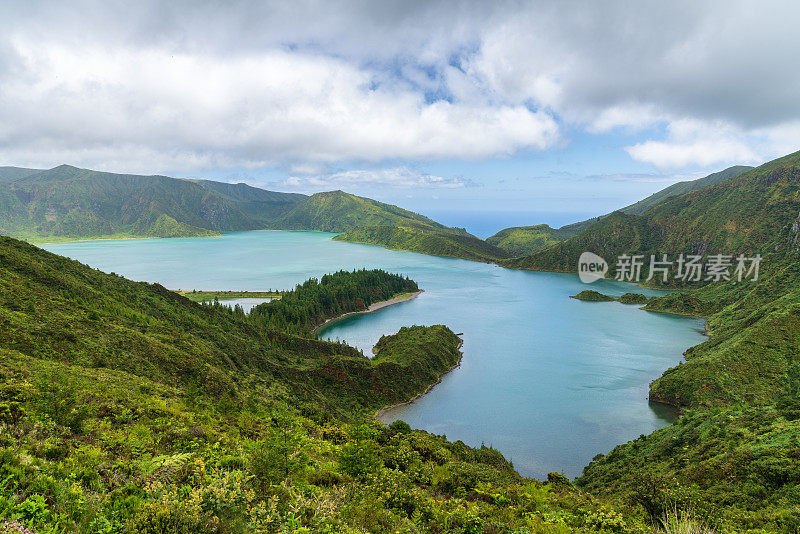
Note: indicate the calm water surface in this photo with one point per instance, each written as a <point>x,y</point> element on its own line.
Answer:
<point>548,380</point>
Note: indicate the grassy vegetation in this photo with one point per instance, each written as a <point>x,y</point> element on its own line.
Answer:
<point>125,407</point>
<point>426,241</point>
<point>70,203</point>
<point>735,468</point>
<point>208,296</point>
<point>754,347</point>
<point>525,240</point>
<point>337,211</point>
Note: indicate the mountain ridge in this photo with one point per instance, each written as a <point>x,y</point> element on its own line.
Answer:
<point>68,203</point>
<point>526,240</point>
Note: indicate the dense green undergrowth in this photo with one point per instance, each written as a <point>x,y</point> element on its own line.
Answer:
<point>738,465</point>
<point>525,240</point>
<point>426,240</point>
<point>127,408</point>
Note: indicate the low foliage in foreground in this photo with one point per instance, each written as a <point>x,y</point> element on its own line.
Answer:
<point>104,451</point>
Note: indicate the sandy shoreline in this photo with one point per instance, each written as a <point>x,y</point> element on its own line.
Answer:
<point>373,307</point>
<point>385,409</point>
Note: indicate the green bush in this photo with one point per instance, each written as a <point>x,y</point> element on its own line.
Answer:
<point>277,457</point>
<point>57,397</point>
<point>400,427</point>
<point>161,518</point>
<point>359,458</point>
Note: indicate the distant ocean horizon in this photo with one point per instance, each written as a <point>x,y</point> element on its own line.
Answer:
<point>487,223</point>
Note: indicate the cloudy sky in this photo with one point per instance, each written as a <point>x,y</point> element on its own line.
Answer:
<point>462,110</point>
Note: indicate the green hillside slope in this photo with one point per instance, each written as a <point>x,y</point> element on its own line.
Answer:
<point>681,188</point>
<point>753,212</point>
<point>737,469</point>
<point>525,240</point>
<point>734,456</point>
<point>426,241</point>
<point>337,211</point>
<point>9,174</point>
<point>126,408</point>
<point>259,204</point>
<point>67,202</point>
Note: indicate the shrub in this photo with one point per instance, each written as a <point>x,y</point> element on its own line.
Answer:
<point>58,398</point>
<point>359,458</point>
<point>558,479</point>
<point>327,478</point>
<point>278,456</point>
<point>400,427</point>
<point>164,518</point>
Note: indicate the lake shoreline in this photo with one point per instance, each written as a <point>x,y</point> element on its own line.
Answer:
<point>201,295</point>
<point>375,306</point>
<point>513,289</point>
<point>385,409</point>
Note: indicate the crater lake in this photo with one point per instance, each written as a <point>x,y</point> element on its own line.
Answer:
<point>548,380</point>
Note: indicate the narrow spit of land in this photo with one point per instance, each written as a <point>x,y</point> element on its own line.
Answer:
<point>375,306</point>
<point>205,296</point>
<point>381,414</point>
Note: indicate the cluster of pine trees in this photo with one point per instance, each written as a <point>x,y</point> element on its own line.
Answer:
<point>314,301</point>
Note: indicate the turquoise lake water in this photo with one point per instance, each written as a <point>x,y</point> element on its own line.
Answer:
<point>548,380</point>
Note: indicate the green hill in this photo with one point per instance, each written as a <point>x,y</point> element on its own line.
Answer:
<point>363,220</point>
<point>734,455</point>
<point>259,204</point>
<point>525,240</point>
<point>426,241</point>
<point>67,203</point>
<point>70,203</point>
<point>9,174</point>
<point>737,469</point>
<point>681,188</point>
<point>337,211</point>
<point>752,212</point>
<point>127,408</point>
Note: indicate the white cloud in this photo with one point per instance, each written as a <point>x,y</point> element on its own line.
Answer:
<point>697,143</point>
<point>396,177</point>
<point>192,85</point>
<point>273,107</point>
<point>630,116</point>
